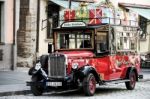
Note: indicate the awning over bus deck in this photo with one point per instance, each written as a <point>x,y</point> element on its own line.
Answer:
<point>65,4</point>
<point>145,12</point>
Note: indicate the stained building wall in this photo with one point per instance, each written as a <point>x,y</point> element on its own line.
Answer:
<point>6,34</point>
<point>26,35</point>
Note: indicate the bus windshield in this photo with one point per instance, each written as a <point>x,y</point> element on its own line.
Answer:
<point>73,40</point>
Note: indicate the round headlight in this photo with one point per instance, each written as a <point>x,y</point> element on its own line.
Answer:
<point>38,66</point>
<point>75,65</point>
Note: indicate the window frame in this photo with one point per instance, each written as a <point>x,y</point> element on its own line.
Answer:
<point>102,36</point>
<point>73,32</point>
<point>143,25</point>
<point>2,24</point>
<point>52,18</point>
<point>129,38</point>
<point>0,21</point>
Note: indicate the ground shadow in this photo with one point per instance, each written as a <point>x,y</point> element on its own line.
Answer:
<point>76,93</point>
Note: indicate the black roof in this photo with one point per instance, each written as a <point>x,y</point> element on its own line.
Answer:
<point>80,28</point>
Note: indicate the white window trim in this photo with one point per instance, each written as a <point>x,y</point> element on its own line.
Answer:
<point>3,20</point>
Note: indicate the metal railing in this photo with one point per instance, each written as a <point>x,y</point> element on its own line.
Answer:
<point>104,20</point>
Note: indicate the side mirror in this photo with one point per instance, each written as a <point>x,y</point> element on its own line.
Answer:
<point>50,47</point>
<point>103,47</point>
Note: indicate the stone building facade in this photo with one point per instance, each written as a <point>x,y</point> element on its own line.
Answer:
<point>36,20</point>
<point>33,32</point>
<point>144,24</point>
<point>6,34</point>
<point>27,32</point>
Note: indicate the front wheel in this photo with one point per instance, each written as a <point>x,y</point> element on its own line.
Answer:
<point>131,84</point>
<point>37,90</point>
<point>89,85</point>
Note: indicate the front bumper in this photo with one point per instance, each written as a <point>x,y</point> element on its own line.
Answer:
<point>53,82</point>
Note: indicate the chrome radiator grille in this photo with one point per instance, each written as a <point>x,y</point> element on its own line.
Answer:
<point>56,66</point>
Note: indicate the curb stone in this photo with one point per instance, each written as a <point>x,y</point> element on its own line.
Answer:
<point>11,93</point>
<point>144,80</point>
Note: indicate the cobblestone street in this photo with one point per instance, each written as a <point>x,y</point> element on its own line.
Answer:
<point>113,91</point>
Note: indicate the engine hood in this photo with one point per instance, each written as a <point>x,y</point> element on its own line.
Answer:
<point>78,54</point>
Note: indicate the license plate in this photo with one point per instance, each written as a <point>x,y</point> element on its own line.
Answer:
<point>54,84</point>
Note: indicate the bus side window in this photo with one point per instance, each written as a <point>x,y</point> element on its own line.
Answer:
<point>85,44</point>
<point>101,42</point>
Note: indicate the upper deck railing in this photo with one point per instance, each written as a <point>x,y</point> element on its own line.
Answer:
<point>103,20</point>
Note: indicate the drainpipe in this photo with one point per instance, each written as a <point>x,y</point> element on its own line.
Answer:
<point>69,4</point>
<point>38,26</point>
<point>149,40</point>
<point>148,35</point>
<point>14,38</point>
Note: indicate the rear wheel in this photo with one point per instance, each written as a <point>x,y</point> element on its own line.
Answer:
<point>131,84</point>
<point>37,90</point>
<point>89,85</point>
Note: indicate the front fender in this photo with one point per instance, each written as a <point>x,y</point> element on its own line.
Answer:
<point>85,70</point>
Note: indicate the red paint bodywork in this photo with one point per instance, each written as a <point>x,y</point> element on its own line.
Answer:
<point>110,67</point>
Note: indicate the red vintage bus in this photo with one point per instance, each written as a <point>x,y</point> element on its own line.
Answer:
<point>86,55</point>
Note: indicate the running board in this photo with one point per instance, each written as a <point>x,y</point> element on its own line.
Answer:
<point>116,81</point>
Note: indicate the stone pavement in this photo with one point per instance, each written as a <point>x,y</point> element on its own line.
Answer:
<point>14,82</point>
<point>146,74</point>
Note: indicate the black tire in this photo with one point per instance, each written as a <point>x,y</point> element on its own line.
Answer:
<point>89,85</point>
<point>131,84</point>
<point>37,90</point>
